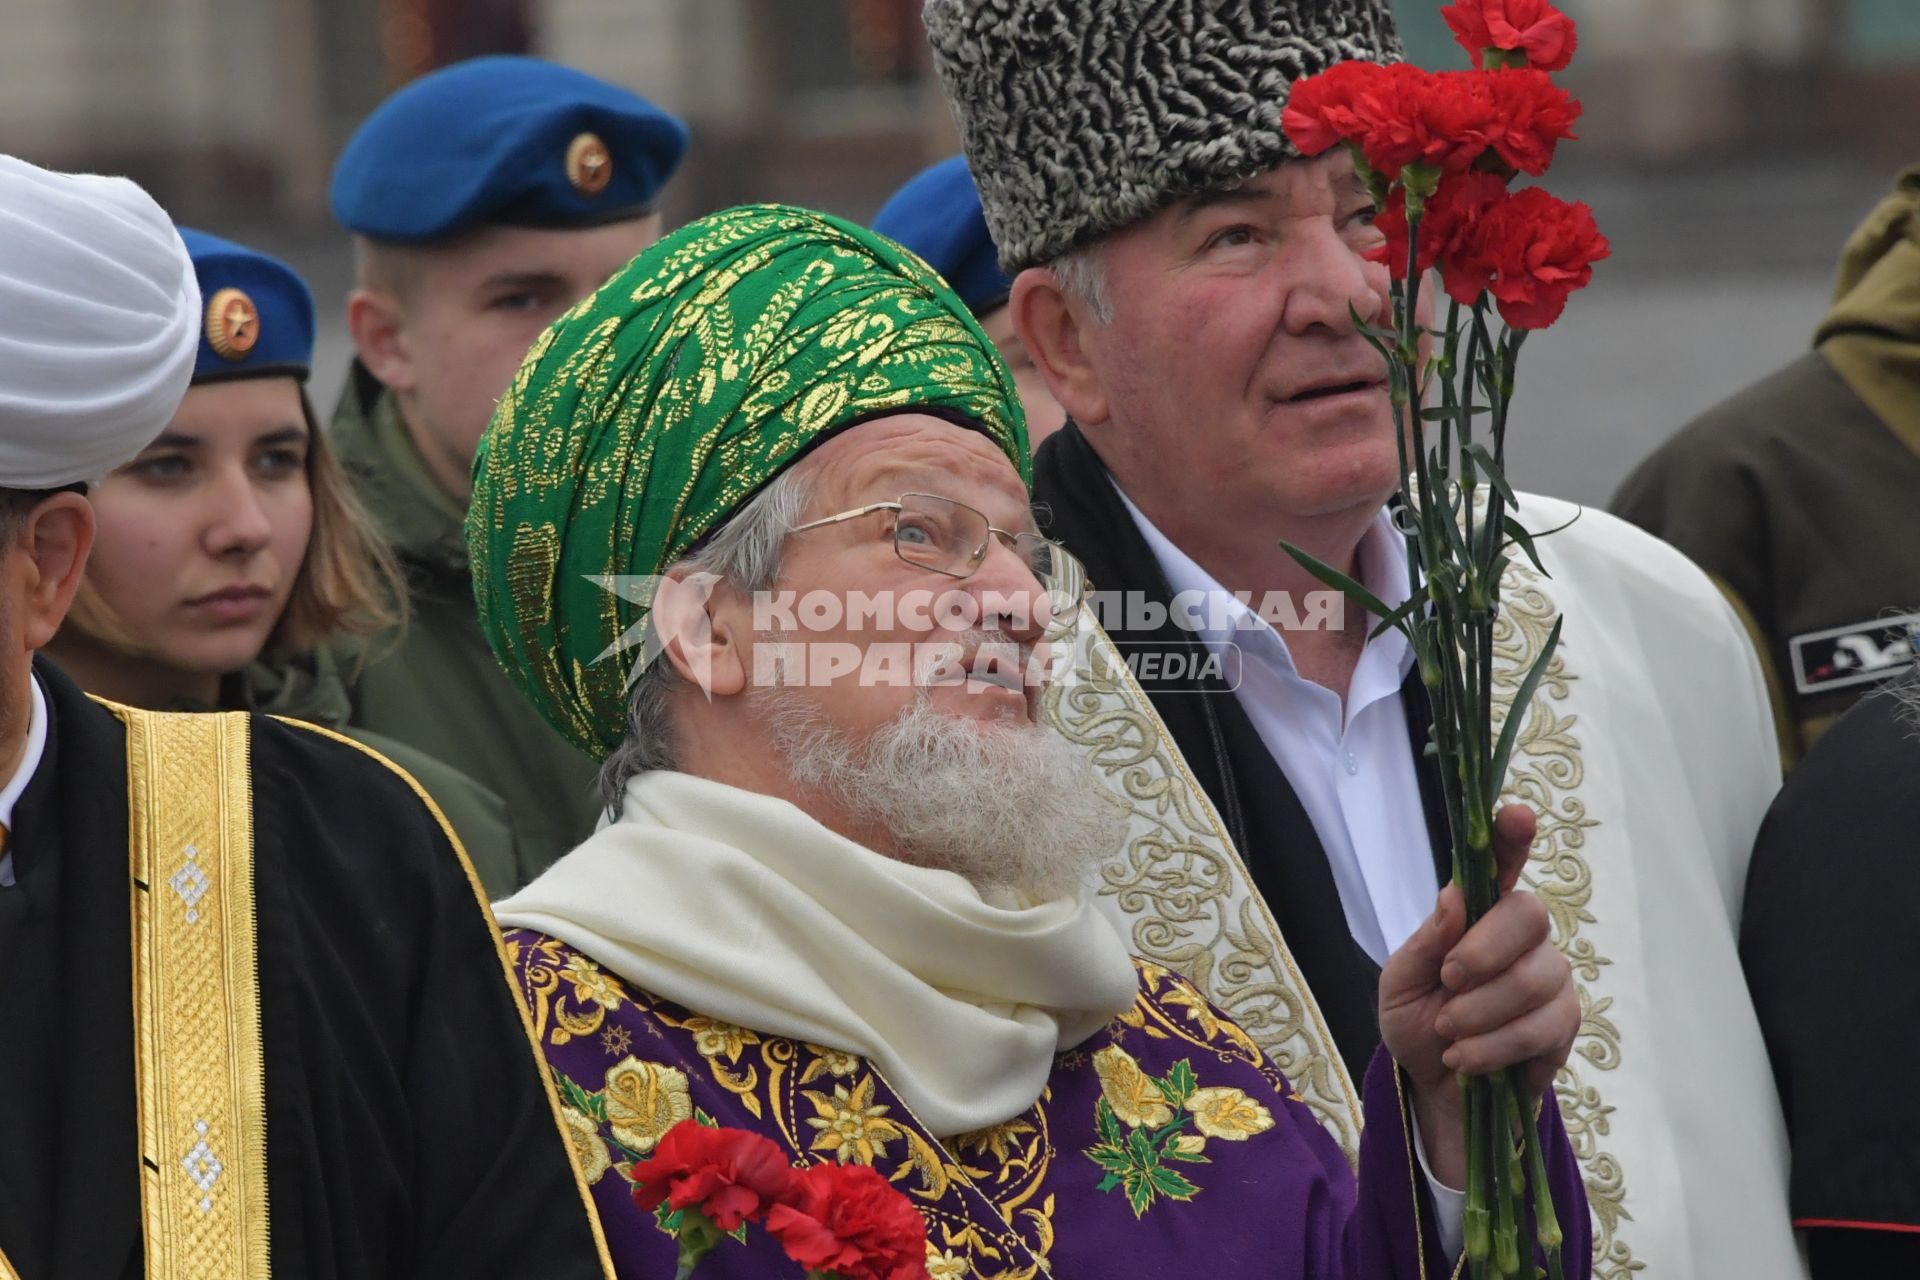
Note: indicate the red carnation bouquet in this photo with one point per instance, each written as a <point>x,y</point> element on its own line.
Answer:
<point>1441,152</point>
<point>839,1223</point>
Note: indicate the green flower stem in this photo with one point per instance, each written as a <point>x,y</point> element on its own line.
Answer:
<point>698,1237</point>
<point>1456,562</point>
<point>1545,1217</point>
<point>1476,1222</point>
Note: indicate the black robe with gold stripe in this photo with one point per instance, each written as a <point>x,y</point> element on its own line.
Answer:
<point>409,1132</point>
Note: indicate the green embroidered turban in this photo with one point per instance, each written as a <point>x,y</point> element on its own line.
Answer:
<point>653,410</point>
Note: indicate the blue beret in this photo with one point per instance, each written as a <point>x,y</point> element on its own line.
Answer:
<point>504,139</point>
<point>258,312</point>
<point>937,215</point>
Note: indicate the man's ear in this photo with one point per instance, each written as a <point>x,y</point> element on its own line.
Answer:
<point>699,627</point>
<point>1054,326</point>
<point>377,323</point>
<point>56,538</point>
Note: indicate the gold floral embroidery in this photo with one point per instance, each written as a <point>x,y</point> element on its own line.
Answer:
<point>1182,892</point>
<point>828,1062</point>
<point>1129,1091</point>
<point>853,1127</point>
<point>644,1100</point>
<point>560,1013</point>
<point>1228,1114</point>
<point>590,985</point>
<point>589,1149</point>
<point>1001,1142</point>
<point>944,1265</point>
<point>985,1222</point>
<point>716,1039</point>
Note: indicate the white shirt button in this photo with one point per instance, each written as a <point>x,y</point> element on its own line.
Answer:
<point>1353,764</point>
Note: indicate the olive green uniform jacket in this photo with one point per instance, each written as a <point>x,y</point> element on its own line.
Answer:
<point>439,688</point>
<point>313,690</point>
<point>1799,494</point>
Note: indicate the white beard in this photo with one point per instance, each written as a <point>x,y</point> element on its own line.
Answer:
<point>1005,805</point>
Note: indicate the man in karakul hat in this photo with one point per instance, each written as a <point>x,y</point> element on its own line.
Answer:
<point>850,913</point>
<point>313,1066</point>
<point>1186,285</point>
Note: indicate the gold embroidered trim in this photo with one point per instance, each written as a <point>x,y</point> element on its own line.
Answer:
<point>6,1268</point>
<point>1546,774</point>
<point>538,1059</point>
<point>196,996</point>
<point>1184,889</point>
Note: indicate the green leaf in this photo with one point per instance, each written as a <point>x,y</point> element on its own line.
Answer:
<point>1517,711</point>
<point>1451,413</point>
<point>1338,581</point>
<point>1378,339</point>
<point>1108,1124</point>
<point>1174,1153</point>
<point>1395,621</point>
<point>1184,1083</point>
<point>1518,535</point>
<point>1139,1191</point>
<point>1108,1183</point>
<point>587,1104</point>
<point>1495,476</point>
<point>1110,1158</point>
<point>1141,1150</point>
<point>1170,1182</point>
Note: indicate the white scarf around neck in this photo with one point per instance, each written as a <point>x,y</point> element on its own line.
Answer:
<point>741,907</point>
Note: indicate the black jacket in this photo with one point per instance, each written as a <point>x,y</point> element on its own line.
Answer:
<point>408,1131</point>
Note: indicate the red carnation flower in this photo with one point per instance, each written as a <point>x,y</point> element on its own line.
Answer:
<point>1538,249</point>
<point>1532,114</point>
<point>847,1220</point>
<point>1320,112</point>
<point>1443,121</point>
<point>1453,214</point>
<point>728,1175</point>
<point>1540,33</point>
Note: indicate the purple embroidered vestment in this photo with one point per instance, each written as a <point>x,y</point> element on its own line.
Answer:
<point>1164,1146</point>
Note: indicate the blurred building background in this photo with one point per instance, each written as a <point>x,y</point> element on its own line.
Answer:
<point>1727,148</point>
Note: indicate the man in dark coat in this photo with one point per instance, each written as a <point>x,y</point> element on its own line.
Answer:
<point>313,1066</point>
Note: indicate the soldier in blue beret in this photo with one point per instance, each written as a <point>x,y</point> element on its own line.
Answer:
<point>484,199</point>
<point>937,215</point>
<point>233,569</point>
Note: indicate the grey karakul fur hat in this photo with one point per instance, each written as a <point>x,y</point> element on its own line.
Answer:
<point>1084,116</point>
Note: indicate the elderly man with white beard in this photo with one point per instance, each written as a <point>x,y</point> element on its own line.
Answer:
<point>849,913</point>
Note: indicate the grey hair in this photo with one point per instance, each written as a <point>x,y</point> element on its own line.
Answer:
<point>745,554</point>
<point>1905,689</point>
<point>1082,273</point>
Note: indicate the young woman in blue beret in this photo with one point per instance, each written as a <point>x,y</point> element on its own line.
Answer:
<point>233,567</point>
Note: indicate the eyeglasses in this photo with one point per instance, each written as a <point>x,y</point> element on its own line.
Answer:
<point>952,538</point>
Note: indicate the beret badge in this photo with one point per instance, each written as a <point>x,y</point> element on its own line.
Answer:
<point>589,164</point>
<point>233,324</point>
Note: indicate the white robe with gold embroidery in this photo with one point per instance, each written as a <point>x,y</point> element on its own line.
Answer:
<point>1650,757</point>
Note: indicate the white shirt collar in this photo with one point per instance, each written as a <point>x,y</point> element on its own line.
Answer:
<point>29,763</point>
<point>1382,561</point>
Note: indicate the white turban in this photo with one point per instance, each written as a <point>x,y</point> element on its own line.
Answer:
<point>99,324</point>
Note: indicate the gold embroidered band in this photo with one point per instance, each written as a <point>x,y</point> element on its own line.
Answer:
<point>196,995</point>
